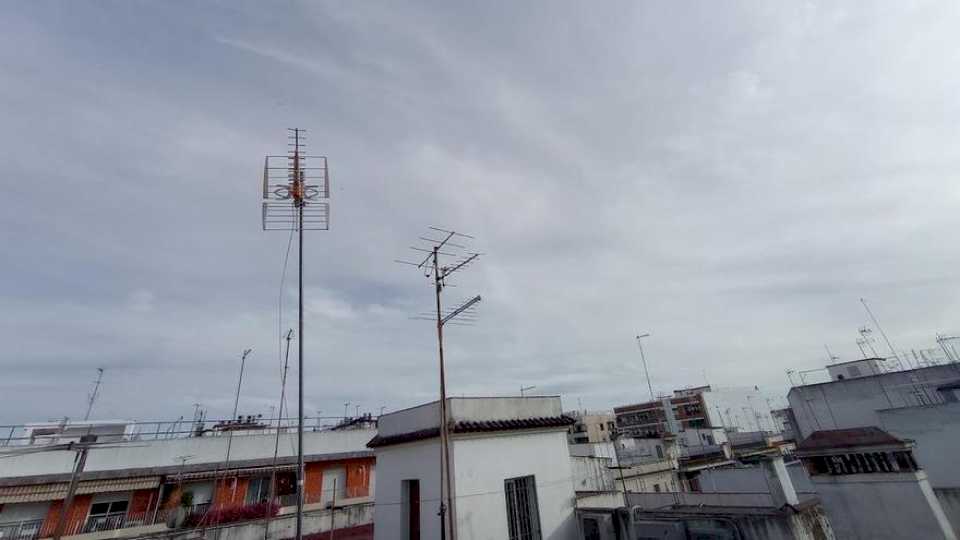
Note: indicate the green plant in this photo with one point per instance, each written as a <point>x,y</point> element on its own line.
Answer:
<point>186,499</point>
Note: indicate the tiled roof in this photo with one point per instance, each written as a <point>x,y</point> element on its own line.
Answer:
<point>473,427</point>
<point>847,438</point>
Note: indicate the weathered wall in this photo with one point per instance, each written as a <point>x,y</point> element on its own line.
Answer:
<point>592,474</point>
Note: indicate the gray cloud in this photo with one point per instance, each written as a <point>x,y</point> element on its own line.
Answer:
<point>730,178</point>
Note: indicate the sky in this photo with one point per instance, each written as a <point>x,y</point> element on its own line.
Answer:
<point>731,178</point>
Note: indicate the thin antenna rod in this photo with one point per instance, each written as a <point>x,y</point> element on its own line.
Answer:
<point>93,395</point>
<point>882,333</point>
<point>643,358</point>
<point>276,443</point>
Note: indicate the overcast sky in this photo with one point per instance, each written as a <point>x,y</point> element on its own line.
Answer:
<point>729,177</point>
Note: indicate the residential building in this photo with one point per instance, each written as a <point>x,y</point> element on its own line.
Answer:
<point>915,406</point>
<point>777,512</point>
<point>511,470</point>
<point>590,427</point>
<point>853,369</point>
<point>872,487</point>
<point>136,485</point>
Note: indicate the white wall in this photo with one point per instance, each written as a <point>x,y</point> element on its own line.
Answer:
<point>418,460</point>
<point>163,453</point>
<point>484,462</point>
<point>936,432</point>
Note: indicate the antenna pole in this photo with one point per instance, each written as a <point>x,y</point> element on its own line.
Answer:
<point>93,396</point>
<point>292,194</point>
<point>445,458</point>
<point>298,189</point>
<point>882,333</point>
<point>643,358</point>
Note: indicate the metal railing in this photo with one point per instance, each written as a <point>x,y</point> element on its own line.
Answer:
<point>21,530</point>
<point>16,434</point>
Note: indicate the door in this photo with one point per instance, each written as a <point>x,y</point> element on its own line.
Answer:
<point>411,518</point>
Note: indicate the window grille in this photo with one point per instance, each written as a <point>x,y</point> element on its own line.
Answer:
<point>523,512</point>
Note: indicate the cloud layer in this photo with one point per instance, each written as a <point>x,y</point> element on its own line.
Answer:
<point>730,178</point>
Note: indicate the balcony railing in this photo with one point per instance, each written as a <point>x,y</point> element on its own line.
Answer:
<point>21,530</point>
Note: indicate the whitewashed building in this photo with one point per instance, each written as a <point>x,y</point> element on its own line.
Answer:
<point>511,472</point>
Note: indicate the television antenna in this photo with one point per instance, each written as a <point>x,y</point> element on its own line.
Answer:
<point>92,398</point>
<point>443,258</point>
<point>643,358</point>
<point>296,187</point>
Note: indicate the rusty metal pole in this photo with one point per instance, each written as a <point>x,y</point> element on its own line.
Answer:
<point>81,461</point>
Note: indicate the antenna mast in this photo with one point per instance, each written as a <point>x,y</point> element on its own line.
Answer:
<point>432,267</point>
<point>295,189</point>
<point>93,395</point>
<point>643,358</point>
<point>883,334</point>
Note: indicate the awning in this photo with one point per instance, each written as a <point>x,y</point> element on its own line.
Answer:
<point>229,473</point>
<point>58,490</point>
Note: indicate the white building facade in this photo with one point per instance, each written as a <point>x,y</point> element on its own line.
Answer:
<point>511,471</point>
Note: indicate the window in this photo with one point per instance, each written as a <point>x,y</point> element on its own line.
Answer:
<point>523,513</point>
<point>258,490</point>
<point>659,451</point>
<point>591,529</point>
<point>106,516</point>
<point>656,488</point>
<point>601,427</point>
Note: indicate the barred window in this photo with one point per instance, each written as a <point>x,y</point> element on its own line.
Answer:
<point>523,513</point>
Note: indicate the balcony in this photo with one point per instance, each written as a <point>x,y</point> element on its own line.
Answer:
<point>21,530</point>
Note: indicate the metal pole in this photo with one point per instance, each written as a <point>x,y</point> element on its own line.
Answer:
<point>445,502</point>
<point>300,338</point>
<point>276,442</point>
<point>645,371</point>
<point>93,396</point>
<point>81,460</point>
<point>333,508</point>
<point>882,333</point>
<point>623,483</point>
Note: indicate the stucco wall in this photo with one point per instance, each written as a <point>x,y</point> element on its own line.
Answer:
<point>482,465</point>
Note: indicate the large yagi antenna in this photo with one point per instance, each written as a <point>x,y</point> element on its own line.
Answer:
<point>296,187</point>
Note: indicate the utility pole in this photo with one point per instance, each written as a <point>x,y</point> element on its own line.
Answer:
<point>79,462</point>
<point>292,189</point>
<point>643,358</point>
<point>440,272</point>
<point>93,395</point>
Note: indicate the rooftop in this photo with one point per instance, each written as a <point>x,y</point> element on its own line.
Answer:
<point>832,439</point>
